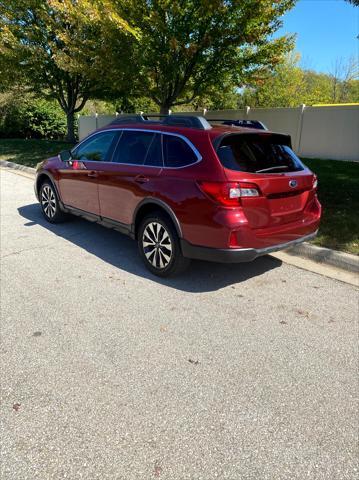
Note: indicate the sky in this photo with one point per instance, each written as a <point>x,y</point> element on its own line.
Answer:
<point>326,30</point>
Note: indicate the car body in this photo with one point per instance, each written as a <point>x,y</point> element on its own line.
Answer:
<point>201,180</point>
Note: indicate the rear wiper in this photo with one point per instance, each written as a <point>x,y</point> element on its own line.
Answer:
<point>271,168</point>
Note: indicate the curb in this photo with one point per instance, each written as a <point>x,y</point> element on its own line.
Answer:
<point>344,261</point>
<point>16,166</point>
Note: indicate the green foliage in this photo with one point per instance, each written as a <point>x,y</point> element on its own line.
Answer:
<point>188,47</point>
<point>50,45</point>
<point>98,106</point>
<point>135,104</point>
<point>26,116</point>
<point>288,85</point>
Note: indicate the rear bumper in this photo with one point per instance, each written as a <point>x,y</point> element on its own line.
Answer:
<point>236,255</point>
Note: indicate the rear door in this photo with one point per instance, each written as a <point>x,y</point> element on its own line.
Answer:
<point>268,161</point>
<point>79,178</point>
<point>131,176</point>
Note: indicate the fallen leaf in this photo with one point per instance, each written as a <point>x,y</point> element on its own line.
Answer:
<point>304,313</point>
<point>194,362</point>
<point>158,470</point>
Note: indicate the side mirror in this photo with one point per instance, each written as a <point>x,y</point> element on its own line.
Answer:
<point>65,155</point>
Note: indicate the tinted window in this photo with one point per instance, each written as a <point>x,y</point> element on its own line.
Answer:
<point>177,153</point>
<point>258,154</point>
<point>154,154</point>
<point>133,147</point>
<point>95,148</point>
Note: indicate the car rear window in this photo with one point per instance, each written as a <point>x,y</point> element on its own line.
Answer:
<point>258,154</point>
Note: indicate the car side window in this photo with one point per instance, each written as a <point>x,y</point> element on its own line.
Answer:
<point>95,148</point>
<point>154,154</point>
<point>133,147</point>
<point>177,153</point>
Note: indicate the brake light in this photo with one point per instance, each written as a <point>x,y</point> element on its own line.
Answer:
<point>229,193</point>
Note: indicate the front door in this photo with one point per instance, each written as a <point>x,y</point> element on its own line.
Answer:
<point>79,178</point>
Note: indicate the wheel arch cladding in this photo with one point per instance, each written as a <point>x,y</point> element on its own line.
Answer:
<point>148,207</point>
<point>43,177</point>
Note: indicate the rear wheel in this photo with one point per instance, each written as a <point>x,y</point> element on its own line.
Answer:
<point>159,246</point>
<point>50,204</point>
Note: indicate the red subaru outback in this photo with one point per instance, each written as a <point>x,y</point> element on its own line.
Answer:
<point>185,188</point>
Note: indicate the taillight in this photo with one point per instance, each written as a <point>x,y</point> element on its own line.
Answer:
<point>229,193</point>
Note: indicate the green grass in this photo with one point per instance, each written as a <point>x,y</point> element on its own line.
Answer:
<point>30,152</point>
<point>338,192</point>
<point>338,189</point>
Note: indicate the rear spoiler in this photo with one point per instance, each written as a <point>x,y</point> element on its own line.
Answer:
<point>281,138</point>
<point>239,123</point>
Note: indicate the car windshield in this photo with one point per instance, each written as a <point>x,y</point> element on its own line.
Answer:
<point>258,154</point>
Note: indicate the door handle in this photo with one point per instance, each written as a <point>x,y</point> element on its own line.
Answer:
<point>92,174</point>
<point>141,179</point>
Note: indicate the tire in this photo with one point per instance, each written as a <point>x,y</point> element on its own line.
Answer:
<point>159,246</point>
<point>50,205</point>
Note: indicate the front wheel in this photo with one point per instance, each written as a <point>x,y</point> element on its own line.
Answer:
<point>50,204</point>
<point>159,246</point>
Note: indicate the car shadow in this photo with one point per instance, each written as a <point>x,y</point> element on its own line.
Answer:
<point>121,252</point>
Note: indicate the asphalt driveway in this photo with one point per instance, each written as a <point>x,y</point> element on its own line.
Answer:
<point>228,372</point>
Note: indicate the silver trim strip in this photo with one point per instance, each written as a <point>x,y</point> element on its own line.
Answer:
<point>189,143</point>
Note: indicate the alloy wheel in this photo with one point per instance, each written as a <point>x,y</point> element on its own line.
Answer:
<point>48,201</point>
<point>157,245</point>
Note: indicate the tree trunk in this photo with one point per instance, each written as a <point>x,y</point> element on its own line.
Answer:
<point>165,109</point>
<point>70,120</point>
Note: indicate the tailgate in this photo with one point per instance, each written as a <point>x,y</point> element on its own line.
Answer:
<point>279,202</point>
<point>266,160</point>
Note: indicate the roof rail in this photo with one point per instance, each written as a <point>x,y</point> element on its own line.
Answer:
<point>170,120</point>
<point>240,123</point>
<point>190,121</point>
<point>127,119</point>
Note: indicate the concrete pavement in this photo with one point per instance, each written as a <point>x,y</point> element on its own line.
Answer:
<point>232,372</point>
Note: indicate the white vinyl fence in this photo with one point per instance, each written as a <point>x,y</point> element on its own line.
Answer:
<point>317,132</point>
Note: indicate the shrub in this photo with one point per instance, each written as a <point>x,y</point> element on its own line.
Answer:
<point>23,115</point>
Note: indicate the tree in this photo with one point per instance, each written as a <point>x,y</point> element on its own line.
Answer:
<point>354,2</point>
<point>288,85</point>
<point>282,87</point>
<point>51,44</point>
<point>344,78</point>
<point>187,47</point>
